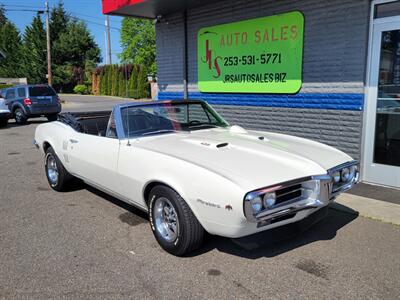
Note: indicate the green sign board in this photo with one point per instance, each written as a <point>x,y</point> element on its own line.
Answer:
<point>262,55</point>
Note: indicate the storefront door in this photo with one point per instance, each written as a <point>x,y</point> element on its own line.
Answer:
<point>382,131</point>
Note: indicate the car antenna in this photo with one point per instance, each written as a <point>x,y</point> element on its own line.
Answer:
<point>127,120</point>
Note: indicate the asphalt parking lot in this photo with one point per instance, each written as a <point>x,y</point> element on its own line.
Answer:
<point>85,244</point>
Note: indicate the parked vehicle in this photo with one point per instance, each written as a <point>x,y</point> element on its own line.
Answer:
<point>31,101</point>
<point>4,112</point>
<point>181,162</point>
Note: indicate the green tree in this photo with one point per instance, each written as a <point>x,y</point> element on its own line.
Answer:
<point>73,47</point>
<point>101,84</point>
<point>132,84</point>
<point>108,79</point>
<point>35,51</point>
<point>77,45</point>
<point>114,86</point>
<point>11,46</point>
<point>59,20</point>
<point>138,42</point>
<point>121,84</point>
<point>143,84</point>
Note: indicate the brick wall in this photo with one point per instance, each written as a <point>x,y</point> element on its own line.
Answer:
<point>329,105</point>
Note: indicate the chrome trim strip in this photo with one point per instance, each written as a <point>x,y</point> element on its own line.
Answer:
<point>118,122</point>
<point>344,165</point>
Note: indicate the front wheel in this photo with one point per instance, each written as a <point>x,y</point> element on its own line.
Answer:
<point>57,176</point>
<point>20,116</point>
<point>173,223</point>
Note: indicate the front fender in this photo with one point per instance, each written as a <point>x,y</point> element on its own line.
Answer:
<point>215,200</point>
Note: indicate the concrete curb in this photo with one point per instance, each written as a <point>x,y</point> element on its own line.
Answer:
<point>78,95</point>
<point>369,208</point>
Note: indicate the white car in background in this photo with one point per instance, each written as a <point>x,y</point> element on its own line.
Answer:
<point>5,113</point>
<point>193,172</point>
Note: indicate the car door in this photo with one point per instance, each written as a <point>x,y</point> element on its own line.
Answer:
<point>94,159</point>
<point>10,97</point>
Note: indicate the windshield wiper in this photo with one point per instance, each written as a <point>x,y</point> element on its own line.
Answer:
<point>203,125</point>
<point>158,131</point>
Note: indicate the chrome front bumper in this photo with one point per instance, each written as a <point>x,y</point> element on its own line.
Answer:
<point>35,144</point>
<point>289,209</point>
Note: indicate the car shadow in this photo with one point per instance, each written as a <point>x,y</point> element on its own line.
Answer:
<point>320,226</point>
<point>139,215</point>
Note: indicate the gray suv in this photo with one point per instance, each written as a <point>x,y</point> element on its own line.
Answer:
<point>31,101</point>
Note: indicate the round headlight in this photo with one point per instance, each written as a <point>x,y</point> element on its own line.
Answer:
<point>345,175</point>
<point>353,171</point>
<point>269,200</point>
<point>336,176</point>
<point>256,204</point>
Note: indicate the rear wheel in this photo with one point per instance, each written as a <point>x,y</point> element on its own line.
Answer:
<point>20,116</point>
<point>57,176</point>
<point>173,223</point>
<point>52,117</point>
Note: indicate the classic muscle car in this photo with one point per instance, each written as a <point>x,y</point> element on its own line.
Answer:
<point>181,162</point>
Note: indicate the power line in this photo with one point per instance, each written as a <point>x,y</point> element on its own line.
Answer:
<point>72,17</point>
<point>26,10</point>
<point>88,16</point>
<point>95,23</point>
<point>22,6</point>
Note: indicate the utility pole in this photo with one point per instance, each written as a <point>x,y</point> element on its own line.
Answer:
<point>108,39</point>
<point>49,74</point>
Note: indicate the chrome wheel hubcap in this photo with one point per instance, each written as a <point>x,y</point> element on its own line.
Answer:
<point>52,170</point>
<point>166,219</point>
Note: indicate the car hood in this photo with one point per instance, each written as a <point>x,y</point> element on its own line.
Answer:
<point>251,159</point>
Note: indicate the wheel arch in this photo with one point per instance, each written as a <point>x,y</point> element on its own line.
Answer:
<point>17,105</point>
<point>46,145</point>
<point>150,185</point>
<point>153,183</point>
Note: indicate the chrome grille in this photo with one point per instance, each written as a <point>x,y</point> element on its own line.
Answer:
<point>288,193</point>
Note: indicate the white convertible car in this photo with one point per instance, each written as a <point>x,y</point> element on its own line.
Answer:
<point>193,172</point>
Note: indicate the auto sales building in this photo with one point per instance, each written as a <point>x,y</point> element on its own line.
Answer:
<point>323,70</point>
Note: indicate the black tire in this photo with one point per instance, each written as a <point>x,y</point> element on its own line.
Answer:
<point>190,233</point>
<point>20,116</point>
<point>3,123</point>
<point>52,117</point>
<point>63,179</point>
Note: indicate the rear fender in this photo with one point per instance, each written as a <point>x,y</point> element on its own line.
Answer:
<point>16,105</point>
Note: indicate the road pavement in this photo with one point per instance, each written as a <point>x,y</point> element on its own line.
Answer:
<point>75,103</point>
<point>83,244</point>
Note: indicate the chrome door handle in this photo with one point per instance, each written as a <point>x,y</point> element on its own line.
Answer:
<point>73,141</point>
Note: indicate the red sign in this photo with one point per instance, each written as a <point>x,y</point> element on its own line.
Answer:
<point>112,5</point>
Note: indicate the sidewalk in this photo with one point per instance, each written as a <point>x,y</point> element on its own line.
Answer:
<point>370,208</point>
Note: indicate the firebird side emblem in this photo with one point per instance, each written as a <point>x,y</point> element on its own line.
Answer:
<point>208,203</point>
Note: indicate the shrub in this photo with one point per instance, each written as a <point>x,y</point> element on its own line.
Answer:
<point>143,85</point>
<point>80,89</point>
<point>4,86</point>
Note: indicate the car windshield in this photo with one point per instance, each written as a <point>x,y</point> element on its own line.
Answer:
<point>151,119</point>
<point>35,91</point>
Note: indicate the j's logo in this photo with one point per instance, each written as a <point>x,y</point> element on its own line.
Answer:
<point>211,61</point>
